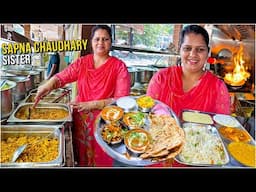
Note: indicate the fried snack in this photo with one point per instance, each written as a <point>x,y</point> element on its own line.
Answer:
<point>167,138</point>
<point>234,134</point>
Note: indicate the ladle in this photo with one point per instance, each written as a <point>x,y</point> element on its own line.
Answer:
<point>21,148</point>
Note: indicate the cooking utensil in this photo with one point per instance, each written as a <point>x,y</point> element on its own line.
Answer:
<point>61,96</point>
<point>21,148</point>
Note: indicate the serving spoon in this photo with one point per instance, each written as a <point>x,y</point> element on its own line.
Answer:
<point>21,148</point>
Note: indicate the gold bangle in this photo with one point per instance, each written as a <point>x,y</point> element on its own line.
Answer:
<point>103,104</point>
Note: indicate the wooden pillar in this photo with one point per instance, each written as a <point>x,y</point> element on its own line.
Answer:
<point>27,31</point>
<point>176,35</point>
<point>86,34</point>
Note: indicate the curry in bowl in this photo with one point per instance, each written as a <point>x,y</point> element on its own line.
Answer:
<point>243,152</point>
<point>134,119</point>
<point>112,113</point>
<point>234,134</point>
<point>113,133</point>
<point>137,140</point>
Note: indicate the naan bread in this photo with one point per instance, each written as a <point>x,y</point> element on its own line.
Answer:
<point>167,138</point>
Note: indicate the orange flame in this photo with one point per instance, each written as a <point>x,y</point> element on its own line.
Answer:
<point>239,75</point>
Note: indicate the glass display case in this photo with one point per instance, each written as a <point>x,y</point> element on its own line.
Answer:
<point>144,58</point>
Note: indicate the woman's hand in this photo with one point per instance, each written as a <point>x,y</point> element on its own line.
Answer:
<point>83,106</point>
<point>45,89</point>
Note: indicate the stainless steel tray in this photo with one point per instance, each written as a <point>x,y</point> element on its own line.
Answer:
<point>233,162</point>
<point>13,119</point>
<point>195,131</point>
<point>47,99</point>
<point>119,151</point>
<point>36,130</point>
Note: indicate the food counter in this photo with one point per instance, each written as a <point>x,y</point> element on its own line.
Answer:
<point>211,122</point>
<point>25,121</point>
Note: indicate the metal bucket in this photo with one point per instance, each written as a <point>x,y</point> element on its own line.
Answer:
<point>20,91</point>
<point>144,74</point>
<point>42,72</point>
<point>132,71</point>
<point>7,99</point>
<point>34,77</point>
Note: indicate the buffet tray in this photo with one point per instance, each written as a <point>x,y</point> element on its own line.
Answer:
<point>119,151</point>
<point>36,130</point>
<point>47,99</point>
<point>204,138</point>
<point>217,122</point>
<point>68,118</point>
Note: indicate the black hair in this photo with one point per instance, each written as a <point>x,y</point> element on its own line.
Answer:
<point>105,27</point>
<point>197,29</point>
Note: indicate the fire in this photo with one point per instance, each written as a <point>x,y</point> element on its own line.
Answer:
<point>239,75</point>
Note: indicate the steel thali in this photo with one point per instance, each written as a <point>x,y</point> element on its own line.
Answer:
<point>119,151</point>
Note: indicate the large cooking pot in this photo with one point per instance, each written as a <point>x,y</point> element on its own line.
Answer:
<point>7,99</point>
<point>132,72</point>
<point>34,77</point>
<point>20,91</point>
<point>42,72</point>
<point>144,74</point>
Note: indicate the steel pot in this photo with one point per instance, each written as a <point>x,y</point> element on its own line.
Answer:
<point>34,77</point>
<point>7,99</point>
<point>42,72</point>
<point>144,74</point>
<point>132,72</point>
<point>20,91</point>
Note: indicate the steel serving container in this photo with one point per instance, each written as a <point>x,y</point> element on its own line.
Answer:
<point>203,147</point>
<point>48,99</point>
<point>36,130</point>
<point>233,162</point>
<point>55,93</point>
<point>24,106</point>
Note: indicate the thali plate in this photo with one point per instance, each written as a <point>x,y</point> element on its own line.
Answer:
<point>119,151</point>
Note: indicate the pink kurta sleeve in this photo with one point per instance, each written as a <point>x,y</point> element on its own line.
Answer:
<point>123,83</point>
<point>154,87</point>
<point>223,98</point>
<point>70,73</point>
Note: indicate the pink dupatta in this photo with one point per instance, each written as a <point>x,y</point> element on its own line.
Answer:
<point>209,95</point>
<point>110,80</point>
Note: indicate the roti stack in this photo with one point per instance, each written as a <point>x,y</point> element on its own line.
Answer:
<point>167,138</point>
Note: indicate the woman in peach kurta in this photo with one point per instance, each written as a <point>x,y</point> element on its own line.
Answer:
<point>101,79</point>
<point>189,85</point>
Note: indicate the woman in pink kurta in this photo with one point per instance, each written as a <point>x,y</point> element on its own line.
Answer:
<point>101,79</point>
<point>210,94</point>
<point>189,85</point>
